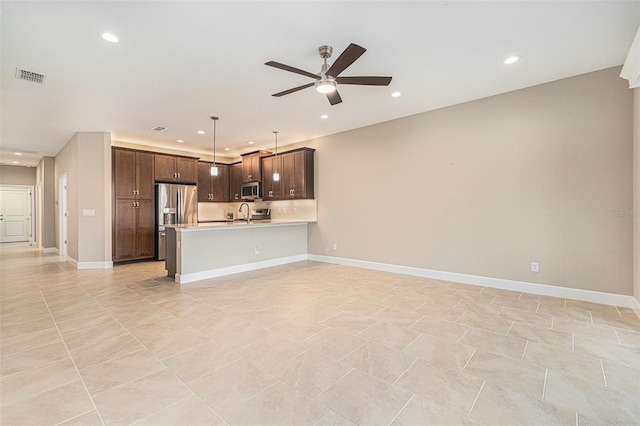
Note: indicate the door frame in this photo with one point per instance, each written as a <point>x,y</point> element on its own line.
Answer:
<point>63,219</point>
<point>32,212</point>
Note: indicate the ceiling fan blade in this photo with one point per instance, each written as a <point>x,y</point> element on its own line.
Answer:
<point>292,69</point>
<point>334,97</point>
<point>295,89</point>
<point>365,81</point>
<point>346,58</point>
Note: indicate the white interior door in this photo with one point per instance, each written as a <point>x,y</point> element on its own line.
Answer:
<point>15,214</point>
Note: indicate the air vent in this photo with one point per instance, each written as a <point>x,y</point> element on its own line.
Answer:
<point>31,76</point>
<point>159,128</point>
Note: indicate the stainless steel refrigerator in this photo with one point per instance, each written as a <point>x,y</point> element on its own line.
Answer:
<point>175,205</point>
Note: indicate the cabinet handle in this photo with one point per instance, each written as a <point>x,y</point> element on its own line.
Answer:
<point>270,193</point>
<point>134,192</point>
<point>178,175</point>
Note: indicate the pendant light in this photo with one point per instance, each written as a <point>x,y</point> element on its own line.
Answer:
<point>276,175</point>
<point>214,168</point>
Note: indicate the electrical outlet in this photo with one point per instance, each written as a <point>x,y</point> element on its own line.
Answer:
<point>335,246</point>
<point>535,267</point>
<point>257,250</point>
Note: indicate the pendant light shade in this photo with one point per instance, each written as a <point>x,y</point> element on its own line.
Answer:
<point>276,175</point>
<point>214,168</point>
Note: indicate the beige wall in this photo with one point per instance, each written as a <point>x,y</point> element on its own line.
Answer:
<point>636,193</point>
<point>86,159</point>
<point>66,162</point>
<point>45,191</point>
<point>15,175</point>
<point>487,187</point>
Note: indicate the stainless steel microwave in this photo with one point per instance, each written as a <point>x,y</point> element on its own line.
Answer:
<point>251,191</point>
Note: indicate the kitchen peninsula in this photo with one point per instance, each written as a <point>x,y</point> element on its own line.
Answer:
<point>208,250</point>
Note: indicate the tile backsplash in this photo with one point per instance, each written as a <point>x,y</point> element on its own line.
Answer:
<point>303,210</point>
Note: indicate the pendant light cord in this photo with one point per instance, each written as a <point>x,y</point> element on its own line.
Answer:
<point>214,118</point>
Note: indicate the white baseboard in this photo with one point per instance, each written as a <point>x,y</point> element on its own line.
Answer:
<point>89,265</point>
<point>525,287</point>
<point>49,249</point>
<point>229,270</point>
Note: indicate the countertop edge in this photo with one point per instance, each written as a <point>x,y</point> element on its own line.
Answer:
<point>218,226</point>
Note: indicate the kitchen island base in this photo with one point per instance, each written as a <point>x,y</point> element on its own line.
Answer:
<point>201,252</point>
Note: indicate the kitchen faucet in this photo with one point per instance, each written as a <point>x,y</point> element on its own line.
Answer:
<point>248,211</point>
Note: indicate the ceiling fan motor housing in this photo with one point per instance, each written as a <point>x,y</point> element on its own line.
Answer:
<point>325,51</point>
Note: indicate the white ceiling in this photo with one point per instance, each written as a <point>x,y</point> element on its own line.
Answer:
<point>178,63</point>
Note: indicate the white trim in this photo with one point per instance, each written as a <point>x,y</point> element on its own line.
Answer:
<point>94,265</point>
<point>229,270</point>
<point>49,249</point>
<point>525,287</point>
<point>89,265</point>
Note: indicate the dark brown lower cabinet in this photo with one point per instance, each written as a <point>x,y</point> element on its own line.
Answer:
<point>134,230</point>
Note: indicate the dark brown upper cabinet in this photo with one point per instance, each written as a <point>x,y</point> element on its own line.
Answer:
<point>271,190</point>
<point>171,168</point>
<point>132,174</point>
<point>235,181</point>
<point>296,175</point>
<point>251,167</point>
<point>213,188</point>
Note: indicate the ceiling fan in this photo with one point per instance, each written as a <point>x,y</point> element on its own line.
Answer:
<point>328,77</point>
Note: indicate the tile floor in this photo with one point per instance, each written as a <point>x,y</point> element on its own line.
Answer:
<point>306,343</point>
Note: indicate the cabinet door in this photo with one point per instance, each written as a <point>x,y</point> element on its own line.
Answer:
<point>165,168</point>
<point>235,181</point>
<point>272,190</point>
<point>187,169</point>
<point>267,178</point>
<point>251,170</point>
<point>144,176</point>
<point>256,167</point>
<point>145,229</point>
<point>299,187</point>
<point>220,184</point>
<point>204,182</point>
<point>124,176</point>
<point>288,175</point>
<point>124,233</point>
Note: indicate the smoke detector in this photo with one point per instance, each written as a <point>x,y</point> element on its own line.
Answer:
<point>31,76</point>
<point>159,128</point>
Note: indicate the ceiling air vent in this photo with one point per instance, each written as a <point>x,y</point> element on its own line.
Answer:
<point>31,76</point>
<point>159,128</point>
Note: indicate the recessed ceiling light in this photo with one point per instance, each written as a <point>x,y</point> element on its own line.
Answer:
<point>17,153</point>
<point>511,59</point>
<point>201,132</point>
<point>324,116</point>
<point>396,94</point>
<point>250,142</point>
<point>227,149</point>
<point>16,162</point>
<point>108,37</point>
<point>180,141</point>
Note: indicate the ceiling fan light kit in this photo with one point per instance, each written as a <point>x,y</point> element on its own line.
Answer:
<point>326,86</point>
<point>327,80</point>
